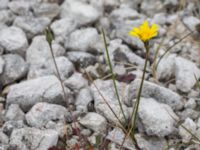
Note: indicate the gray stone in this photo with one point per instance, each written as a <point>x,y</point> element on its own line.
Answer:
<point>83,98</point>
<point>21,7</point>
<point>94,122</point>
<point>3,138</point>
<point>84,40</point>
<point>150,143</point>
<point>15,68</point>
<point>76,9</point>
<point>191,22</point>
<point>32,138</point>
<point>159,93</point>
<point>39,51</point>
<point>191,103</point>
<point>185,74</point>
<point>6,16</point>
<point>76,82</point>
<point>43,89</point>
<point>42,113</point>
<point>32,26</point>
<point>63,27</point>
<point>189,125</point>
<point>2,64</point>
<point>50,10</point>
<point>108,96</point>
<point>117,136</point>
<point>4,146</point>
<point>96,70</point>
<point>4,4</point>
<point>166,68</point>
<point>119,70</point>
<point>151,7</point>
<point>86,132</point>
<point>160,19</point>
<point>65,68</point>
<point>111,4</point>
<point>14,113</point>
<point>81,59</point>
<point>124,13</point>
<point>58,127</point>
<point>121,53</point>
<point>121,29</point>
<point>156,117</point>
<point>9,126</point>
<point>189,113</point>
<point>14,40</point>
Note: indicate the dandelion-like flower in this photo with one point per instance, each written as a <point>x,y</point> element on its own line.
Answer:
<point>145,32</point>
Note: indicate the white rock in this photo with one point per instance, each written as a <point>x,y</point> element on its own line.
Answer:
<point>191,22</point>
<point>108,96</point>
<point>124,13</point>
<point>117,136</point>
<point>83,98</point>
<point>15,68</point>
<point>189,125</point>
<point>2,64</point>
<point>121,53</point>
<point>43,89</point>
<point>159,18</point>
<point>14,113</point>
<point>39,51</point>
<point>83,40</point>
<point>21,8</point>
<point>14,40</point>
<point>156,118</point>
<point>76,9</point>
<point>166,67</point>
<point>6,16</point>
<point>76,82</point>
<point>151,7</point>
<point>82,59</point>
<point>159,93</point>
<point>42,113</point>
<point>150,143</point>
<point>121,29</point>
<point>94,122</point>
<point>9,126</point>
<point>63,27</point>
<point>32,26</point>
<point>191,103</point>
<point>65,68</point>
<point>49,10</point>
<point>3,138</point>
<point>185,72</point>
<point>32,138</point>
<point>4,4</point>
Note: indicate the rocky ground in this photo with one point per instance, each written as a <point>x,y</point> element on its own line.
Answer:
<point>34,115</point>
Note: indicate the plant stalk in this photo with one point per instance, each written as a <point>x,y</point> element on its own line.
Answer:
<point>136,107</point>
<point>113,75</point>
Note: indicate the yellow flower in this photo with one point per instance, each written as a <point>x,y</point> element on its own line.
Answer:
<point>145,32</point>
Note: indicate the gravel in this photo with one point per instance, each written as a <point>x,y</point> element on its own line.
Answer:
<point>33,111</point>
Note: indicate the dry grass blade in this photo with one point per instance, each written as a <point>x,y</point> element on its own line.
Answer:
<point>193,135</point>
<point>49,38</point>
<point>91,80</point>
<point>168,49</point>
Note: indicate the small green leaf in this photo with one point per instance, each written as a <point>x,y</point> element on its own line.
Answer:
<point>49,35</point>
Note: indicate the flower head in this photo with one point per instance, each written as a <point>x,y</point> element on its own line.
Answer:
<point>145,32</point>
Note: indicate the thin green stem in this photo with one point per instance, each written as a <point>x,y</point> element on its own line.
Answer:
<point>136,107</point>
<point>113,76</point>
